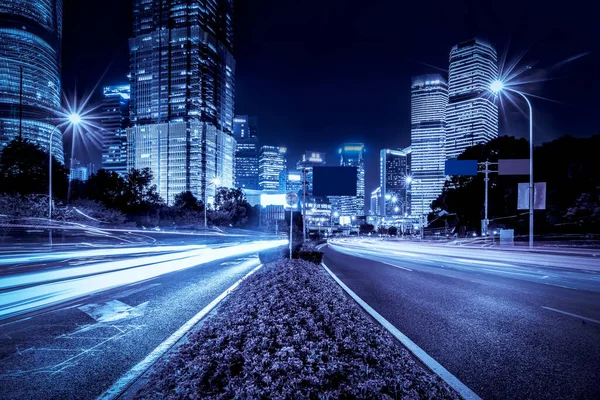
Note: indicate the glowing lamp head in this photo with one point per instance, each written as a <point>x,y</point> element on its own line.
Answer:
<point>394,199</point>
<point>75,118</point>
<point>409,179</point>
<point>217,181</point>
<point>496,86</point>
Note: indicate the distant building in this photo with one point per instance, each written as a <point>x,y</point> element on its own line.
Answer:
<point>352,155</point>
<point>375,205</point>
<point>30,86</point>
<point>472,115</point>
<point>272,161</point>
<point>115,121</point>
<point>310,159</point>
<point>394,167</point>
<point>245,127</point>
<point>294,182</point>
<point>429,98</point>
<point>245,132</point>
<point>182,76</point>
<point>80,172</point>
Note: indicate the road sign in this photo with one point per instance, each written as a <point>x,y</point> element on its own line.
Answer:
<point>539,196</point>
<point>291,199</point>
<point>461,167</point>
<point>513,167</point>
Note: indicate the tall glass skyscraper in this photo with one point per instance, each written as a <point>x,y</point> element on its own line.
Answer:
<point>30,48</point>
<point>182,93</point>
<point>394,167</point>
<point>352,155</point>
<point>115,121</point>
<point>472,115</point>
<point>247,152</point>
<point>271,164</point>
<point>429,99</point>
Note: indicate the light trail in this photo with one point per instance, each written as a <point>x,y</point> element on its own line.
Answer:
<point>24,300</point>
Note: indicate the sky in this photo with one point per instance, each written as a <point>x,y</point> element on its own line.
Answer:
<point>319,73</point>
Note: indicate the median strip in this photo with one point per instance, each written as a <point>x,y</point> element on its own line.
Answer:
<point>289,331</point>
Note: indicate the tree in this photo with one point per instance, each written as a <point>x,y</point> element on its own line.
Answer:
<point>24,170</point>
<point>231,207</point>
<point>393,231</point>
<point>140,196</point>
<point>188,202</point>
<point>106,187</point>
<point>365,229</point>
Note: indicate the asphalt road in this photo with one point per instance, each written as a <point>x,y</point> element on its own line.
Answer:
<point>509,326</point>
<point>71,326</point>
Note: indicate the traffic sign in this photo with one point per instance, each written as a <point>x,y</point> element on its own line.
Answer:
<point>291,199</point>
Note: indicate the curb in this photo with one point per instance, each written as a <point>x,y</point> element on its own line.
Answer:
<point>452,381</point>
<point>126,381</point>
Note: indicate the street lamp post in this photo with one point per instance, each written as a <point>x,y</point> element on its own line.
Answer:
<point>497,87</point>
<point>216,181</point>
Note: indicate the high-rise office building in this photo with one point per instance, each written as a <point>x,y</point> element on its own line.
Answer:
<point>182,92</point>
<point>394,168</point>
<point>30,53</point>
<point>115,121</point>
<point>271,163</point>
<point>375,205</point>
<point>294,182</point>
<point>429,98</point>
<point>472,115</point>
<point>247,152</point>
<point>352,155</point>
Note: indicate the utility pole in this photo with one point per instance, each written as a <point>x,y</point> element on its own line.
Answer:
<point>304,227</point>
<point>486,172</point>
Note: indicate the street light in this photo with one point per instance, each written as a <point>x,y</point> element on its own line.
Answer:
<point>497,87</point>
<point>215,181</point>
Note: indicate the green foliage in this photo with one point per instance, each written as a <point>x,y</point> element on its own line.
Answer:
<point>366,228</point>
<point>393,231</point>
<point>230,208</point>
<point>24,170</point>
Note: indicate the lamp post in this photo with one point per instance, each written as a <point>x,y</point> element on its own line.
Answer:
<point>497,87</point>
<point>74,120</point>
<point>216,181</point>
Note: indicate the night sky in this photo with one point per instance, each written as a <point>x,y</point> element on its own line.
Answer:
<point>318,73</point>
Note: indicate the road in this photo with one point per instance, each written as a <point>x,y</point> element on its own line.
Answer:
<point>510,325</point>
<point>73,321</point>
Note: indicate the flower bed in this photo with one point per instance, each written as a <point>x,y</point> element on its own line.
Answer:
<point>289,331</point>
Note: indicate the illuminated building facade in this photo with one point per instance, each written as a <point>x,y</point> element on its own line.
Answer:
<point>472,115</point>
<point>247,152</point>
<point>182,93</point>
<point>352,155</point>
<point>310,159</point>
<point>115,121</point>
<point>429,99</point>
<point>394,168</point>
<point>271,163</point>
<point>30,49</point>
<point>375,205</point>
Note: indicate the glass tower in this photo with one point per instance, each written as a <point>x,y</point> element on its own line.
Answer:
<point>30,48</point>
<point>393,171</point>
<point>114,121</point>
<point>182,92</point>
<point>352,155</point>
<point>472,115</point>
<point>247,152</point>
<point>271,164</point>
<point>429,99</point>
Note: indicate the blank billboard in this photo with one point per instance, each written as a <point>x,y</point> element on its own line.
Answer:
<point>334,181</point>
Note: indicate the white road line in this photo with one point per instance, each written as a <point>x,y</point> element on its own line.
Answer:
<point>572,315</point>
<point>425,358</point>
<point>123,383</point>
<point>394,265</point>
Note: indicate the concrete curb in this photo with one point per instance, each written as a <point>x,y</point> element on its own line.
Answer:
<point>411,346</point>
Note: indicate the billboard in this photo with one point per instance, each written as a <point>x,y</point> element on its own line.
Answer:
<point>334,181</point>
<point>461,167</point>
<point>513,167</point>
<point>539,196</point>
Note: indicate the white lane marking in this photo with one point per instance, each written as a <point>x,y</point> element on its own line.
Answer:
<point>425,358</point>
<point>572,315</point>
<point>394,265</point>
<point>113,310</point>
<point>124,382</point>
<point>379,261</point>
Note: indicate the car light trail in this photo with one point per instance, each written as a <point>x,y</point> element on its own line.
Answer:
<point>23,300</point>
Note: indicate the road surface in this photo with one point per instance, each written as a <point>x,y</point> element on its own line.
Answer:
<point>72,322</point>
<point>508,325</point>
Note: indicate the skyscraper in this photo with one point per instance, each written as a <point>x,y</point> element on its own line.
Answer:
<point>393,171</point>
<point>271,163</point>
<point>115,121</point>
<point>247,152</point>
<point>182,92</point>
<point>310,159</point>
<point>30,48</point>
<point>472,115</point>
<point>351,155</point>
<point>429,98</point>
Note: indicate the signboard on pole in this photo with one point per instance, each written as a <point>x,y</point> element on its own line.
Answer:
<point>513,166</point>
<point>461,167</point>
<point>539,196</point>
<point>291,199</point>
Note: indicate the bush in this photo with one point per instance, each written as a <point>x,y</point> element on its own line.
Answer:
<point>289,332</point>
